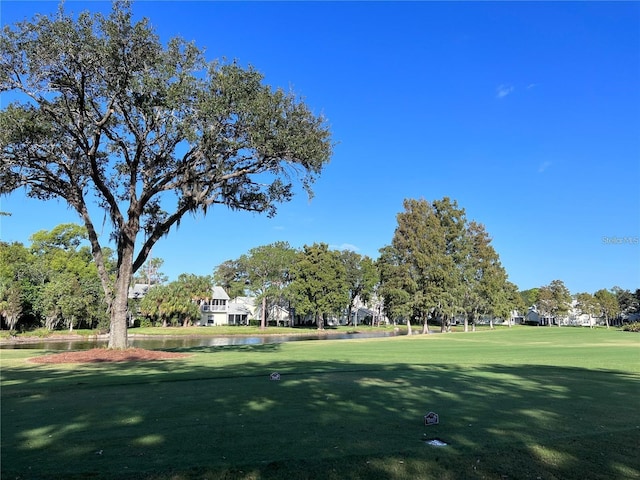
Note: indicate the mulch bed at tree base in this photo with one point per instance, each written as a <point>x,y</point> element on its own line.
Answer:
<point>101,355</point>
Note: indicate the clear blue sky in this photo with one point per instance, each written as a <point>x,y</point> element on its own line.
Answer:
<point>527,114</point>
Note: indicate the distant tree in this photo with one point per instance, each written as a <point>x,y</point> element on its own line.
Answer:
<point>104,110</point>
<point>18,279</point>
<point>607,304</point>
<point>231,276</point>
<point>453,220</point>
<point>507,301</point>
<point>530,297</point>
<point>319,283</point>
<point>170,304</point>
<point>150,274</point>
<point>63,301</point>
<point>69,293</point>
<point>439,266</point>
<point>554,301</point>
<point>267,273</point>
<point>415,263</point>
<point>197,286</point>
<point>587,305</point>
<point>516,300</point>
<point>10,304</point>
<point>628,303</point>
<point>395,282</point>
<point>362,277</point>
<point>484,281</point>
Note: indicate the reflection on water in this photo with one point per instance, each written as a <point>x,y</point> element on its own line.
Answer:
<point>189,342</point>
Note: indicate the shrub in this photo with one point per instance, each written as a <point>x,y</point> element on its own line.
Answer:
<point>145,322</point>
<point>632,327</point>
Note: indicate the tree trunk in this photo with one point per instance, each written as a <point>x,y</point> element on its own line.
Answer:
<point>263,317</point>
<point>320,321</point>
<point>425,327</point>
<point>118,327</point>
<point>408,327</point>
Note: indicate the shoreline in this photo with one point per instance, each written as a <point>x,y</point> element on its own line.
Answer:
<point>137,336</point>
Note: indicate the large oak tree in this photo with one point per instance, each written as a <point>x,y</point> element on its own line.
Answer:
<point>106,112</point>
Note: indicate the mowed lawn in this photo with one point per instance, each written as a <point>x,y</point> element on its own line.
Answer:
<point>520,403</point>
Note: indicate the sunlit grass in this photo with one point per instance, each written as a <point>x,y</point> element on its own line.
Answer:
<point>513,403</point>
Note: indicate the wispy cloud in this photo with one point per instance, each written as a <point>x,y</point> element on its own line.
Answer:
<point>504,90</point>
<point>543,166</point>
<point>345,246</point>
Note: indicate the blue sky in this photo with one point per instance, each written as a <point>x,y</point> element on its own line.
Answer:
<point>527,114</point>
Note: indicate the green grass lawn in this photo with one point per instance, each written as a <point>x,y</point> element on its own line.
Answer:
<point>520,403</point>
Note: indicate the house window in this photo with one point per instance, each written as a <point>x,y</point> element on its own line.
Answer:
<point>237,318</point>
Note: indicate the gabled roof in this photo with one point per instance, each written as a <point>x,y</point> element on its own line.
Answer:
<point>235,308</point>
<point>248,301</point>
<point>219,294</point>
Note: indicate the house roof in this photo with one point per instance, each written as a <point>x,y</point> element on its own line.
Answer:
<point>248,301</point>
<point>236,308</point>
<point>219,293</point>
<point>138,290</point>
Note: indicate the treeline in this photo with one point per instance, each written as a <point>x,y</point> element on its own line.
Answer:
<point>53,283</point>
<point>554,302</point>
<point>439,268</point>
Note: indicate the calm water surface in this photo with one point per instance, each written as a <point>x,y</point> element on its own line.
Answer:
<point>190,342</point>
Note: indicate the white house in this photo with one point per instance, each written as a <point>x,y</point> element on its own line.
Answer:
<point>214,310</point>
<point>138,290</point>
<point>533,317</point>
<point>241,309</point>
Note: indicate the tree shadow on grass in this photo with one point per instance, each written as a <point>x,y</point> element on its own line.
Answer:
<point>320,420</point>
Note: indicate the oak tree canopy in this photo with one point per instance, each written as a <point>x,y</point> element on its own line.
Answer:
<point>104,112</point>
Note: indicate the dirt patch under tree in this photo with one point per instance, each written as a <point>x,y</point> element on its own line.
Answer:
<point>101,355</point>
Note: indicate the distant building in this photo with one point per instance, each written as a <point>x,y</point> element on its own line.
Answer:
<point>138,290</point>
<point>214,310</point>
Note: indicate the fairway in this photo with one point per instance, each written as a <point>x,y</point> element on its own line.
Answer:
<point>519,403</point>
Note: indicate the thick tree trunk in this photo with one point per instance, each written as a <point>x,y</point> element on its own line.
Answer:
<point>409,327</point>
<point>118,327</point>
<point>119,306</point>
<point>425,327</point>
<point>320,321</point>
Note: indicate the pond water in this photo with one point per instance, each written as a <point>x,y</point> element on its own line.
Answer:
<point>190,342</point>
